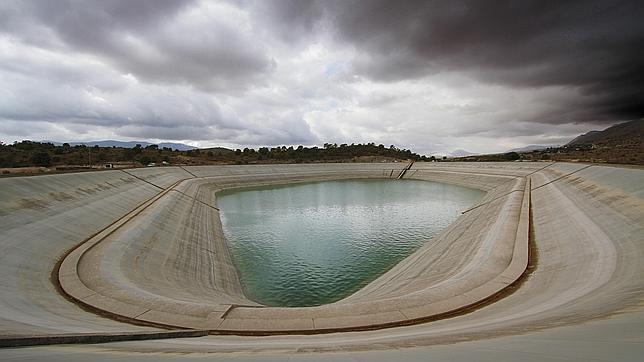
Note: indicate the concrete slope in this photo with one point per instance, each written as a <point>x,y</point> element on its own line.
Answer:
<point>588,228</point>
<point>587,225</point>
<point>161,177</point>
<point>169,263</point>
<point>40,219</point>
<point>43,217</point>
<point>613,339</point>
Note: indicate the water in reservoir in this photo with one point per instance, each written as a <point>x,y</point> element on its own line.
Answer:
<point>315,243</point>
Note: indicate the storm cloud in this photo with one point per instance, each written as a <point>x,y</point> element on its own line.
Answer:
<point>431,75</point>
<point>595,47</point>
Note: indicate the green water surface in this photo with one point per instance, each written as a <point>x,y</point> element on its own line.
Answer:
<point>315,243</point>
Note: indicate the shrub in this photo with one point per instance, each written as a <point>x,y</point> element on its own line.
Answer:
<point>41,159</point>
<point>145,160</point>
<point>511,156</point>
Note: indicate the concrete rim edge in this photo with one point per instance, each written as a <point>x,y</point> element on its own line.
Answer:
<point>486,293</point>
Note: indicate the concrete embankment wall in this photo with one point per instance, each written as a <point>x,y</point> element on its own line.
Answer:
<point>383,169</point>
<point>480,242</point>
<point>153,264</point>
<point>588,232</point>
<point>599,211</point>
<point>122,268</point>
<point>160,176</point>
<point>42,217</point>
<point>170,263</point>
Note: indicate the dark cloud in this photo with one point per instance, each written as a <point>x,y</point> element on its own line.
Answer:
<point>594,47</point>
<point>291,20</point>
<point>427,74</point>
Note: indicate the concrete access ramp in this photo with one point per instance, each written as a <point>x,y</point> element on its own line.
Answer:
<point>142,250</point>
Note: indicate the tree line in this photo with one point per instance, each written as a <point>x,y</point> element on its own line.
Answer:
<point>45,154</point>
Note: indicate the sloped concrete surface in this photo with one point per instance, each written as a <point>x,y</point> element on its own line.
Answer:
<point>587,226</point>
<point>617,339</point>
<point>178,233</point>
<point>42,217</point>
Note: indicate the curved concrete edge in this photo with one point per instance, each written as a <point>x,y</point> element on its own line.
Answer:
<point>93,338</point>
<point>68,280</point>
<point>216,322</point>
<point>490,291</point>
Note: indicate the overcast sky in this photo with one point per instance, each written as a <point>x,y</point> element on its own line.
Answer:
<point>433,76</point>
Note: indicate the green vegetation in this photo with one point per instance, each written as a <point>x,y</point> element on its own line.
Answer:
<point>496,157</point>
<point>41,159</point>
<point>40,154</point>
<point>67,157</point>
<point>619,153</point>
<point>330,152</point>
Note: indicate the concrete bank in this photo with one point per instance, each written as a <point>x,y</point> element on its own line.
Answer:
<point>43,217</point>
<point>588,228</point>
<point>582,302</point>
<point>117,271</point>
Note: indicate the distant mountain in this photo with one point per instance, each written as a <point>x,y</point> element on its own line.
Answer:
<point>461,153</point>
<point>582,139</point>
<point>130,144</point>
<point>624,133</point>
<point>218,150</point>
<point>177,146</point>
<point>529,148</point>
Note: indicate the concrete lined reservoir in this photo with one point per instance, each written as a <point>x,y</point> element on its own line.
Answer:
<point>316,243</point>
<point>147,246</point>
